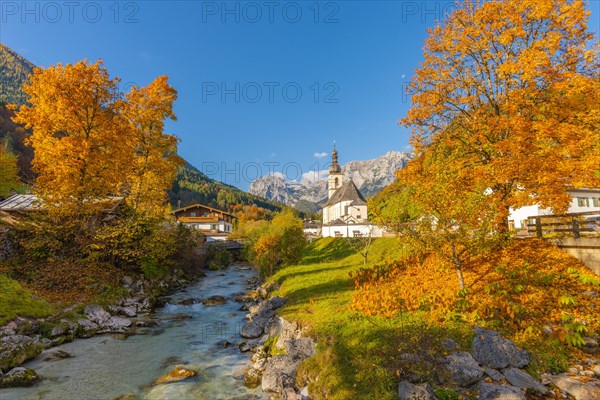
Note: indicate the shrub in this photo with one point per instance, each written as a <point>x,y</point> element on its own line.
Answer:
<point>275,243</point>
<point>217,257</point>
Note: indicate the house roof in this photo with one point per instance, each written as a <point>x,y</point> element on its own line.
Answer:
<point>348,192</point>
<point>21,202</point>
<point>202,206</point>
<point>30,202</point>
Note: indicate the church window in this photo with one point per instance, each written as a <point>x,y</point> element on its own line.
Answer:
<point>336,182</point>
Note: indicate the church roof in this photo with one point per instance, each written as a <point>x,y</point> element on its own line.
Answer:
<point>348,192</point>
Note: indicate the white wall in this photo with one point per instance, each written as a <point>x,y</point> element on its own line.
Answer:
<point>520,215</point>
<point>346,210</point>
<point>221,226</point>
<point>348,230</point>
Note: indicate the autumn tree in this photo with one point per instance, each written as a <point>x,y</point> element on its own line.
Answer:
<point>448,212</point>
<point>155,161</point>
<point>514,83</point>
<point>78,136</point>
<point>9,172</point>
<point>92,142</point>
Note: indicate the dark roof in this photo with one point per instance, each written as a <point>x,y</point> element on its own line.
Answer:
<point>348,192</point>
<point>202,206</point>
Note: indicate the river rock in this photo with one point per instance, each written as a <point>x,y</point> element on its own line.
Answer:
<point>489,391</point>
<point>57,330</point>
<point>251,330</point>
<point>56,354</point>
<point>494,351</point>
<point>127,281</point>
<point>260,364</point>
<point>177,375</point>
<point>578,389</point>
<point>279,372</point>
<point>129,312</point>
<point>188,302</point>
<point>118,323</point>
<point>276,302</point>
<point>523,380</point>
<point>289,338</point>
<point>462,368</point>
<point>214,301</point>
<point>86,328</point>
<point>19,377</point>
<point>97,314</point>
<point>16,349</point>
<point>272,381</point>
<point>410,391</point>
<point>493,374</point>
<point>252,378</point>
<point>262,292</point>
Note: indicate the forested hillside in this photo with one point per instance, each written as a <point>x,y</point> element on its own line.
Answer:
<point>192,186</point>
<point>14,70</point>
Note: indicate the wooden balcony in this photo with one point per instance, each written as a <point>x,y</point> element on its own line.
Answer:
<point>198,220</point>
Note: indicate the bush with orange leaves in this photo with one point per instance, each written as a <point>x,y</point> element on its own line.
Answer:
<point>521,289</point>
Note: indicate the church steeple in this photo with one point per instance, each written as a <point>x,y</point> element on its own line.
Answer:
<point>335,167</point>
<point>335,173</point>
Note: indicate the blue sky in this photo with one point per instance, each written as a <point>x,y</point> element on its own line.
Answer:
<point>265,85</point>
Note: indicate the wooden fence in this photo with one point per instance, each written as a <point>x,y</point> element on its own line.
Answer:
<point>569,225</point>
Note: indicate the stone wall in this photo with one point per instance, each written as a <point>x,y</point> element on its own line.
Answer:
<point>586,249</point>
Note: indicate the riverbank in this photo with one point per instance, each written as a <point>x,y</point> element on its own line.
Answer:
<point>25,337</point>
<point>278,347</point>
<point>195,330</point>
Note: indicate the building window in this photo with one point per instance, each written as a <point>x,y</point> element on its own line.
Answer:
<point>336,183</point>
<point>582,202</point>
<point>358,216</point>
<point>193,214</point>
<point>595,201</point>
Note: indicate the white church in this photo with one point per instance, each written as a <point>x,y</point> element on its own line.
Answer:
<point>345,214</point>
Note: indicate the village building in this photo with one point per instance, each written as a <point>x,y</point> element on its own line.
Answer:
<point>312,228</point>
<point>582,201</point>
<point>345,214</point>
<point>215,224</point>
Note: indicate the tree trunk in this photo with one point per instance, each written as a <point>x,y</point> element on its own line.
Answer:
<point>461,280</point>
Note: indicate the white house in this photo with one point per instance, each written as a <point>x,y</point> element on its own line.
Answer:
<point>345,214</point>
<point>215,224</point>
<point>582,200</point>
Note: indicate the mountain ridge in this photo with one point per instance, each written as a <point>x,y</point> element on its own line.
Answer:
<point>370,176</point>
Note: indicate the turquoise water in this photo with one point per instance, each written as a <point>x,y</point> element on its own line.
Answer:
<point>108,366</point>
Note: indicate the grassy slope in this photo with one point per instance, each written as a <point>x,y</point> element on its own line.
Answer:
<point>17,301</point>
<point>358,356</point>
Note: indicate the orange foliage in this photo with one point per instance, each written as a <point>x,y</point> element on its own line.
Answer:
<point>91,142</point>
<point>522,287</point>
<point>516,84</point>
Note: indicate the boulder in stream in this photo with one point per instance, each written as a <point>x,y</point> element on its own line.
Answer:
<point>177,375</point>
<point>214,301</point>
<point>16,349</point>
<point>19,377</point>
